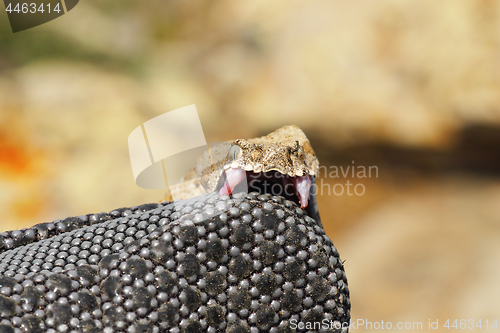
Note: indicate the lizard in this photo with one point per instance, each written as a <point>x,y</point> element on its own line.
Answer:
<point>284,161</point>
<point>247,262</point>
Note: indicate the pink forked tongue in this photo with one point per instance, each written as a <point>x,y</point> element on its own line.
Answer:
<point>302,185</point>
<point>233,178</point>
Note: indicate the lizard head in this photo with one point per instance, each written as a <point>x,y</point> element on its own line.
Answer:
<point>284,157</point>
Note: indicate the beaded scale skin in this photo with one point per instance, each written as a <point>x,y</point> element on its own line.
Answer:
<point>246,263</point>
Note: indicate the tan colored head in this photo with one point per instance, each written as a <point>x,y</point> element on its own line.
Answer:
<point>286,150</point>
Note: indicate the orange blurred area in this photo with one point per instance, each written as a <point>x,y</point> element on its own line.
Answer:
<point>13,161</point>
<point>18,160</point>
<point>22,170</point>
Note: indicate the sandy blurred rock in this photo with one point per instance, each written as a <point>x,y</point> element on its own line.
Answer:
<point>430,253</point>
<point>403,72</point>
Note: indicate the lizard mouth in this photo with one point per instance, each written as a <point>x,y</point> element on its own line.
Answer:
<point>297,188</point>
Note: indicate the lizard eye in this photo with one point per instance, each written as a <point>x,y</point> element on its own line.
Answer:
<point>294,149</point>
<point>234,152</point>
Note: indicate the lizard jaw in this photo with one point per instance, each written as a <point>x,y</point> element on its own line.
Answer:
<point>232,178</point>
<point>301,184</point>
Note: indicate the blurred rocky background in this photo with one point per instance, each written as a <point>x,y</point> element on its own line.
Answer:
<point>409,88</point>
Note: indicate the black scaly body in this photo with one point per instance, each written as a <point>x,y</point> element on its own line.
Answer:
<point>250,263</point>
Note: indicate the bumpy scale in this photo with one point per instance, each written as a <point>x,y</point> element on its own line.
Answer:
<point>250,263</point>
